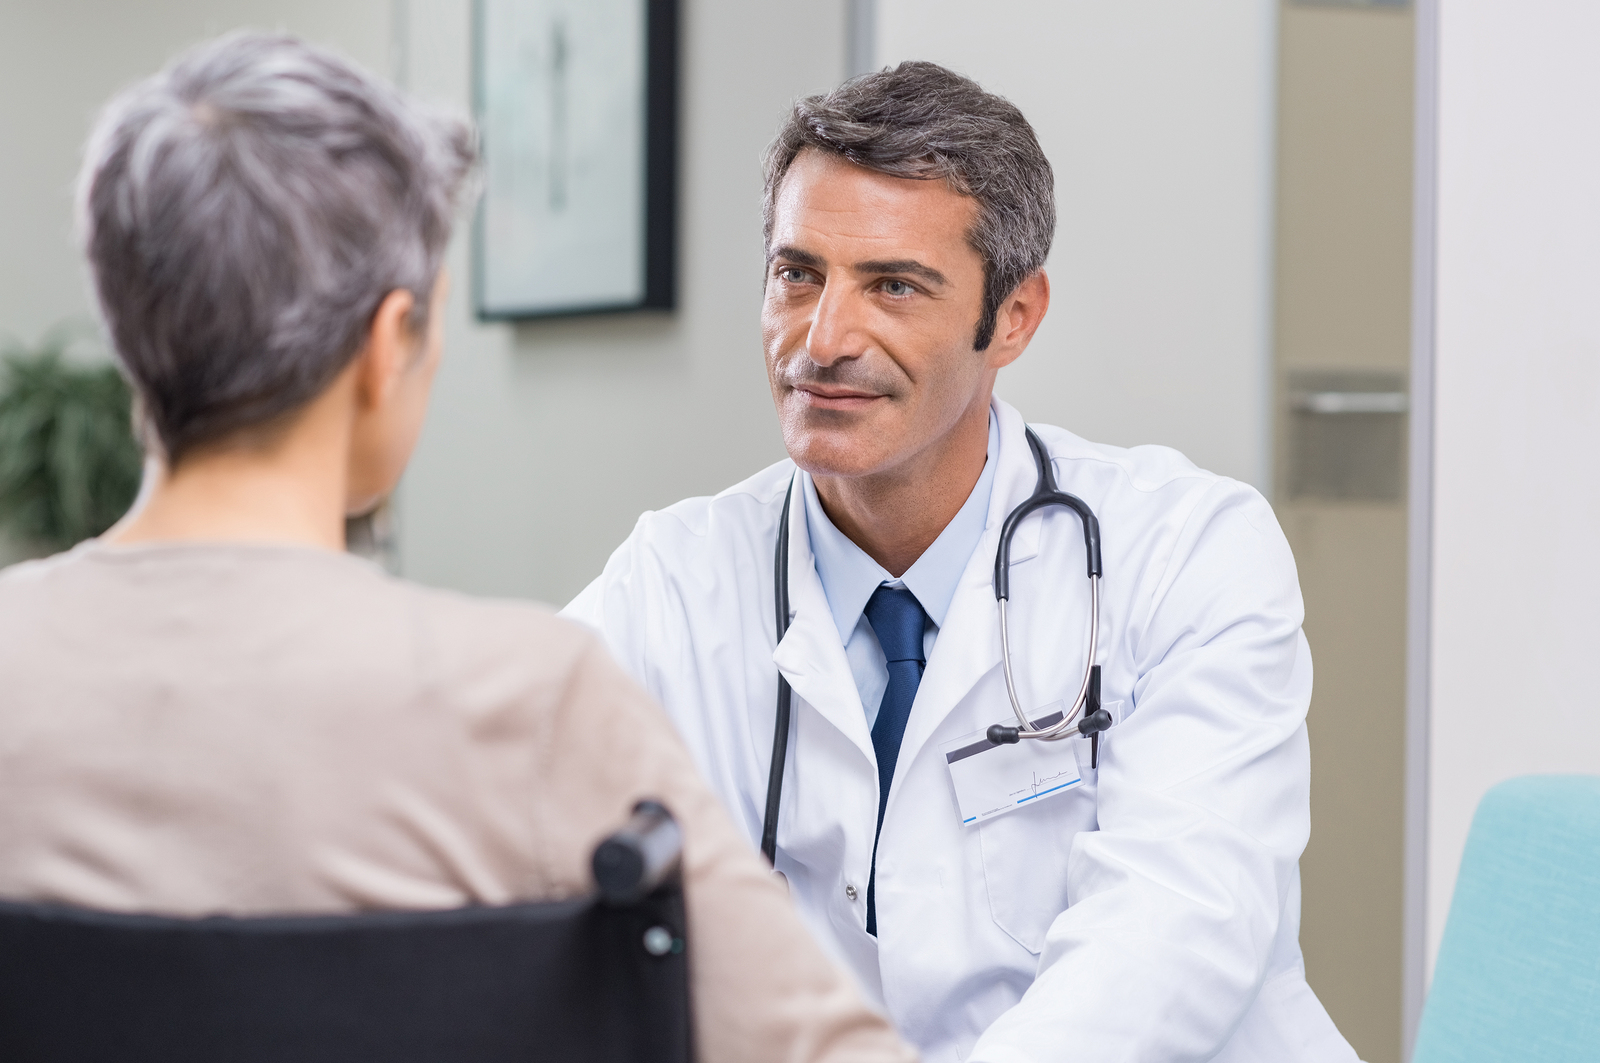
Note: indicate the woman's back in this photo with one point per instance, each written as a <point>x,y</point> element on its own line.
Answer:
<point>197,728</point>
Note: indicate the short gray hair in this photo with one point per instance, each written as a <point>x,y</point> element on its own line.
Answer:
<point>244,212</point>
<point>922,121</point>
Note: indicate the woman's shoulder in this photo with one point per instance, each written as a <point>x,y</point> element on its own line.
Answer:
<point>505,636</point>
<point>316,616</point>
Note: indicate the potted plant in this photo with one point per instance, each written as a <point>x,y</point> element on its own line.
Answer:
<point>69,464</point>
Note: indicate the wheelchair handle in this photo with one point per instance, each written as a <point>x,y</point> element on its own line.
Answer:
<point>632,862</point>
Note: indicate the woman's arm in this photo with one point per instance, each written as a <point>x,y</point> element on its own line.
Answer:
<point>763,990</point>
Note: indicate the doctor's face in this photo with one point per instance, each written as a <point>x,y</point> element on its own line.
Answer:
<point>873,297</point>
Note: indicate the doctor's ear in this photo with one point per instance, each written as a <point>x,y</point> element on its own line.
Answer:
<point>1018,319</point>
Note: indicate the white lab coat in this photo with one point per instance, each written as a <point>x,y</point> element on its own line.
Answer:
<point>1150,914</point>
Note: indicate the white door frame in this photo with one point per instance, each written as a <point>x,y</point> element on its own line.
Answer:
<point>1419,532</point>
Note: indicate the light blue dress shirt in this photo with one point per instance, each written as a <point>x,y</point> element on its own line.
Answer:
<point>849,577</point>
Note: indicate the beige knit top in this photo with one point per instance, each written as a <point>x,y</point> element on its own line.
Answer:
<point>198,728</point>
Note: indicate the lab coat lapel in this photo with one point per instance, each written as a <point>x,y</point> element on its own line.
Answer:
<point>811,656</point>
<point>968,646</point>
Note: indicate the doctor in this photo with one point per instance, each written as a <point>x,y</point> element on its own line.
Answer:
<point>1142,903</point>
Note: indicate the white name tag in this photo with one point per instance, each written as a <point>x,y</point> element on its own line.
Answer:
<point>992,780</point>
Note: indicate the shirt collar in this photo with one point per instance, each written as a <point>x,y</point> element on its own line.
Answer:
<point>849,577</point>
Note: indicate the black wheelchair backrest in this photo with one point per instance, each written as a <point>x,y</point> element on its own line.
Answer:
<point>601,978</point>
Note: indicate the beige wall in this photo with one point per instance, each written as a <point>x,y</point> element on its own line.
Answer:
<point>1343,312</point>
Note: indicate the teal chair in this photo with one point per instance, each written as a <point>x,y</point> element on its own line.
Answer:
<point>1518,976</point>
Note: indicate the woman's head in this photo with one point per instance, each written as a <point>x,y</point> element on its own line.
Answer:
<point>251,214</point>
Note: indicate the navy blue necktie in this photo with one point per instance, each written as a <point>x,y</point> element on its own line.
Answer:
<point>897,619</point>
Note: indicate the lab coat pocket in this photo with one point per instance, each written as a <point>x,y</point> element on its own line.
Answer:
<point>1025,865</point>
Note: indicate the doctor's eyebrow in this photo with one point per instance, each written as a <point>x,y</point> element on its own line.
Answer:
<point>796,256</point>
<point>902,265</point>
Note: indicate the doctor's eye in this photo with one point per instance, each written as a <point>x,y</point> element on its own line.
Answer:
<point>898,288</point>
<point>793,275</point>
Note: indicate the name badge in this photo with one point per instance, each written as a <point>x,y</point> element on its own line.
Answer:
<point>991,780</point>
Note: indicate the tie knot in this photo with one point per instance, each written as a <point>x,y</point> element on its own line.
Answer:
<point>897,619</point>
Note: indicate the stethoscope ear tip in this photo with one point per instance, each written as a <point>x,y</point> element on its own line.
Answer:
<point>1001,735</point>
<point>1092,724</point>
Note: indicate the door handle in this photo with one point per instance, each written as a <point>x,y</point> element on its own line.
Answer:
<point>1352,402</point>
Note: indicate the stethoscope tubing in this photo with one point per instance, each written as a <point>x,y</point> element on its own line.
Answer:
<point>1068,722</point>
<point>780,727</point>
<point>1045,494</point>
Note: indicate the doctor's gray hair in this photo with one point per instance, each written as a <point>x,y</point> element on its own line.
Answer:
<point>924,122</point>
<point>244,213</point>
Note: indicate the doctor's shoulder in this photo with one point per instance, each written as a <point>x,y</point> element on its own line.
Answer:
<point>1147,468</point>
<point>1157,504</point>
<point>696,548</point>
<point>713,523</point>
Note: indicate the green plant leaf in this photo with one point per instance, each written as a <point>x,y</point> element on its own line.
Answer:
<point>69,465</point>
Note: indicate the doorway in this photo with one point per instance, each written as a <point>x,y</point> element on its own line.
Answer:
<point>1341,365</point>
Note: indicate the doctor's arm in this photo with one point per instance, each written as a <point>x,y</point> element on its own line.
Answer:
<point>634,608</point>
<point>1175,903</point>
<point>604,605</point>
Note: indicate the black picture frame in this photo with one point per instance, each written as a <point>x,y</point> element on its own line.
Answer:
<point>657,290</point>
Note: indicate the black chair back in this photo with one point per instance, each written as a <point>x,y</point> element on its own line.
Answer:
<point>585,979</point>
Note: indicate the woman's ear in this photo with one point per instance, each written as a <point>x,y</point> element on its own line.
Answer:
<point>388,352</point>
<point>390,382</point>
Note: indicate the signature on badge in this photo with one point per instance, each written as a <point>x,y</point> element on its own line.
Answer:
<point>1038,786</point>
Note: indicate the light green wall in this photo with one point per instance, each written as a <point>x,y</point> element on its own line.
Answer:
<point>60,61</point>
<point>546,440</point>
<point>1157,116</point>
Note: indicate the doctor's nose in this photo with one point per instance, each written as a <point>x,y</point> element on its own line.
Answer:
<point>837,329</point>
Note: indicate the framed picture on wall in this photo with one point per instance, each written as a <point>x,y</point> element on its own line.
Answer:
<point>577,109</point>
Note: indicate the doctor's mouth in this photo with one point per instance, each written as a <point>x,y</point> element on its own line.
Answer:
<point>822,397</point>
<point>845,385</point>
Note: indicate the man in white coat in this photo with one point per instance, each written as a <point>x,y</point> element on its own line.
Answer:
<point>1138,902</point>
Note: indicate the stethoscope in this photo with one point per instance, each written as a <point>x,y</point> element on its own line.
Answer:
<point>1086,717</point>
